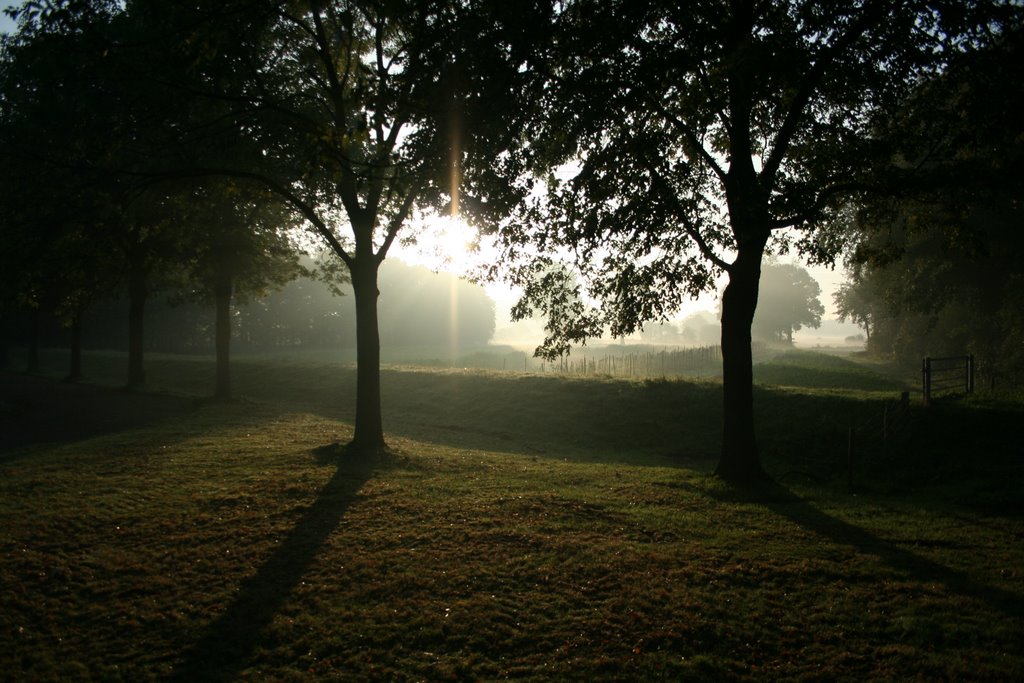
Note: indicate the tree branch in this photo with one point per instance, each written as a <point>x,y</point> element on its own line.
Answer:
<point>814,210</point>
<point>693,143</point>
<point>683,214</point>
<point>809,84</point>
<point>307,210</point>
<point>395,224</point>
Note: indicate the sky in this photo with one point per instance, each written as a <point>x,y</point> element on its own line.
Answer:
<point>443,246</point>
<point>6,25</point>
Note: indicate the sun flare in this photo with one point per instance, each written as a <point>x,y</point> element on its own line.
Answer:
<point>443,243</point>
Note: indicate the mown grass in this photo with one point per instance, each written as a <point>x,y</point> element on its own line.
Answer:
<point>526,527</point>
<point>823,371</point>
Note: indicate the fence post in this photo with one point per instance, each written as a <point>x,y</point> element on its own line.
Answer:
<point>970,374</point>
<point>849,458</point>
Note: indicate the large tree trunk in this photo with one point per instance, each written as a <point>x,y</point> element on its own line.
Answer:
<point>739,461</point>
<point>75,373</point>
<point>369,429</point>
<point>222,295</point>
<point>136,313</point>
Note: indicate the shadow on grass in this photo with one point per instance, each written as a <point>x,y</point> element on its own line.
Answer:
<point>784,502</point>
<point>37,410</point>
<point>230,639</point>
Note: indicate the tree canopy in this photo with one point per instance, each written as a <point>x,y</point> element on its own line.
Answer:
<point>937,268</point>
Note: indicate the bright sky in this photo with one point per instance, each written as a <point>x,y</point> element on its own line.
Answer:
<point>6,25</point>
<point>444,245</point>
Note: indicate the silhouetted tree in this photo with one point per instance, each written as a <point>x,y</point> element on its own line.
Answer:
<point>78,126</point>
<point>690,136</point>
<point>239,248</point>
<point>360,114</point>
<point>57,260</point>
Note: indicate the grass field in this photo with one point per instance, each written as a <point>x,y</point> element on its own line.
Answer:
<point>521,526</point>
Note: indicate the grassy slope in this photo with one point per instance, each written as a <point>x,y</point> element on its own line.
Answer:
<point>523,526</point>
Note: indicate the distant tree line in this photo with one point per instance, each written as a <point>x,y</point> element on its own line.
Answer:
<point>422,308</point>
<point>788,300</point>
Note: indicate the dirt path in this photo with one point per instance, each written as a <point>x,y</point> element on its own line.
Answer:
<point>38,410</point>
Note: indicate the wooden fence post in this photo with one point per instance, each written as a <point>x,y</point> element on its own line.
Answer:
<point>849,458</point>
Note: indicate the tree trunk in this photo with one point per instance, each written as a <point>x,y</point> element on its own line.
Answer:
<point>136,313</point>
<point>75,373</point>
<point>222,295</point>
<point>739,462</point>
<point>369,428</point>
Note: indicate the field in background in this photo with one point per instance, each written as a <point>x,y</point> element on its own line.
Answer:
<point>527,526</point>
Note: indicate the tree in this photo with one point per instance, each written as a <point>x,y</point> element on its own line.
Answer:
<point>701,328</point>
<point>691,136</point>
<point>55,263</point>
<point>73,131</point>
<point>359,114</point>
<point>937,269</point>
<point>854,304</point>
<point>240,247</point>
<point>787,300</point>
<point>418,308</point>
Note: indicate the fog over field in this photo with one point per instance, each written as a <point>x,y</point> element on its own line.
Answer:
<point>430,252</point>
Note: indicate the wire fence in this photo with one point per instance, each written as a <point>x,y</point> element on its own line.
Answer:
<point>685,362</point>
<point>874,436</point>
<point>694,361</point>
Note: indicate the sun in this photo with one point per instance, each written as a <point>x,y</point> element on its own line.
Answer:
<point>443,243</point>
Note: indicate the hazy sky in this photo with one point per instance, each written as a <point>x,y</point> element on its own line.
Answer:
<point>6,25</point>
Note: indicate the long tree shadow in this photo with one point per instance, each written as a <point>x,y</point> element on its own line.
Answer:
<point>787,504</point>
<point>229,641</point>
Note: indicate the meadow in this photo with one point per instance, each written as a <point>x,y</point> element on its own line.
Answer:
<point>521,526</point>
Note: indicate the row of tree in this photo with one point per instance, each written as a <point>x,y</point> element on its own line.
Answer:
<point>653,144</point>
<point>418,308</point>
